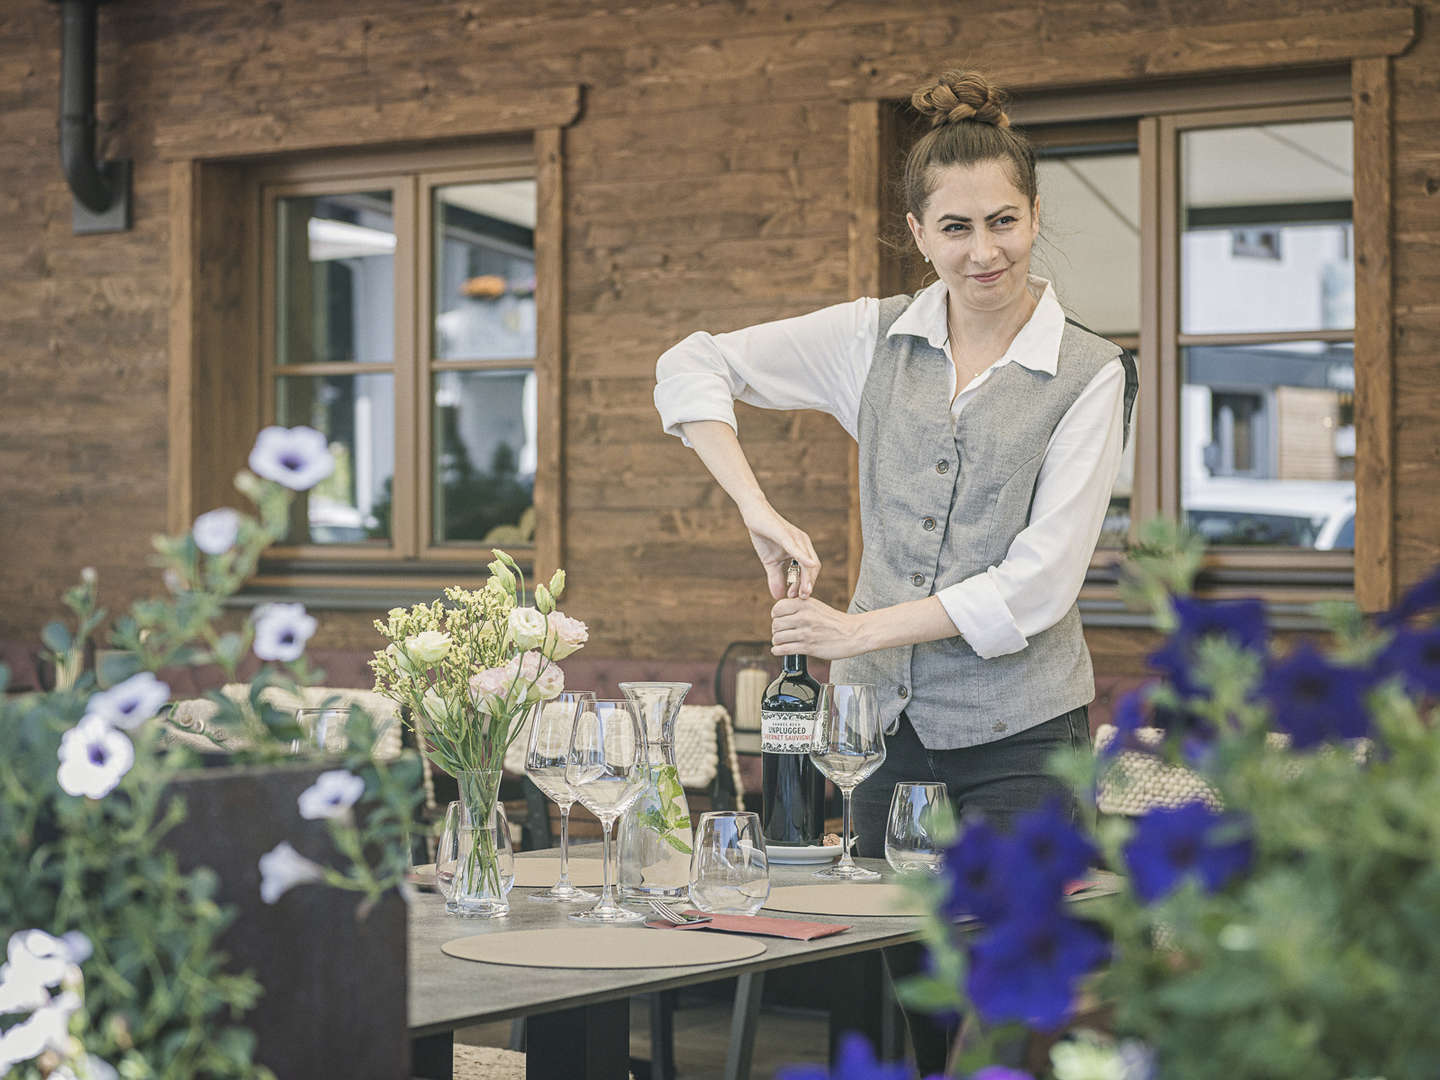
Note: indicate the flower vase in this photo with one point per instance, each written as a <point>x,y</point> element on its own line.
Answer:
<point>483,869</point>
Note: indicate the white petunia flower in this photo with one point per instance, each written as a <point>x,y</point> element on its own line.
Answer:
<point>129,704</point>
<point>34,954</point>
<point>48,1028</point>
<point>215,531</point>
<point>94,1069</point>
<point>297,457</point>
<point>333,794</point>
<point>93,757</point>
<point>281,631</point>
<point>282,868</point>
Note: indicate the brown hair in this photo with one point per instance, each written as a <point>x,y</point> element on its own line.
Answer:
<point>968,126</point>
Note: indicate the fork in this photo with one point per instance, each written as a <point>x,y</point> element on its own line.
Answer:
<point>674,915</point>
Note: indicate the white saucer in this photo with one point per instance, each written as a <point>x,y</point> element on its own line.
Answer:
<point>818,853</point>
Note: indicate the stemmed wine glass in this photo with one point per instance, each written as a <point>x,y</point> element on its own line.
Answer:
<point>547,754</point>
<point>849,746</point>
<point>606,771</point>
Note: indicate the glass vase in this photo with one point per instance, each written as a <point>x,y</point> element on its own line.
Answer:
<point>483,856</point>
<point>656,840</point>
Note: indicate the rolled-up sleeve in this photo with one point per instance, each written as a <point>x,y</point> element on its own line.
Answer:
<point>999,609</point>
<point>814,361</point>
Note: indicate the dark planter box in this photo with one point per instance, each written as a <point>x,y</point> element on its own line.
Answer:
<point>334,986</point>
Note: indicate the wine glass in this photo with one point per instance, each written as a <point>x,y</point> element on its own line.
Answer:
<point>919,827</point>
<point>324,730</point>
<point>606,771</point>
<point>729,874</point>
<point>547,753</point>
<point>849,746</point>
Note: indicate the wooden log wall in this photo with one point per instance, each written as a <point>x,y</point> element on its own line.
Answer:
<point>705,186</point>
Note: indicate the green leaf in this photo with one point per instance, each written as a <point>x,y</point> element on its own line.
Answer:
<point>56,637</point>
<point>928,995</point>
<point>678,844</point>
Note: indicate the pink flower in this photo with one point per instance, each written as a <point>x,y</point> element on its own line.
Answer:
<point>566,635</point>
<point>540,678</point>
<point>491,686</point>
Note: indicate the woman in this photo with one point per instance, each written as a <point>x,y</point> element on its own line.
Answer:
<point>990,430</point>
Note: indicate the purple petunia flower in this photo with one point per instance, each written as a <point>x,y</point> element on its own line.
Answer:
<point>971,872</point>
<point>855,1061</point>
<point>1421,597</point>
<point>1129,718</point>
<point>1045,851</point>
<point>1413,655</point>
<point>1315,700</point>
<point>1026,968</point>
<point>1190,840</point>
<point>1241,622</point>
<point>297,457</point>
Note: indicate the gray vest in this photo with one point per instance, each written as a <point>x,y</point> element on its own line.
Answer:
<point>972,482</point>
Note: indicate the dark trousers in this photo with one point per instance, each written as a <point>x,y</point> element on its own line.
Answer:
<point>1000,780</point>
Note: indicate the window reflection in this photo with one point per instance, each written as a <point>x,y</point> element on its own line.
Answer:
<point>1268,443</point>
<point>485,456</point>
<point>357,414</point>
<point>485,270</point>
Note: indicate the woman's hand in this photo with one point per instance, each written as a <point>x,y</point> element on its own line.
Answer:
<point>815,629</point>
<point>777,542</point>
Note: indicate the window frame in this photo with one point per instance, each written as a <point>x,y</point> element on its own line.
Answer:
<point>411,176</point>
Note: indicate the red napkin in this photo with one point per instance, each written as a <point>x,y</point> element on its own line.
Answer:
<point>757,924</point>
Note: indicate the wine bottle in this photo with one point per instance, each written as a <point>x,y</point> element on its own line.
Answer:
<point>792,789</point>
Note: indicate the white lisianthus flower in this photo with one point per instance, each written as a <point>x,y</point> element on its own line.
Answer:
<point>281,631</point>
<point>215,531</point>
<point>541,678</point>
<point>94,756</point>
<point>434,706</point>
<point>331,796</point>
<point>428,646</point>
<point>282,868</point>
<point>297,457</point>
<point>527,628</point>
<point>490,689</point>
<point>129,704</point>
<point>567,635</point>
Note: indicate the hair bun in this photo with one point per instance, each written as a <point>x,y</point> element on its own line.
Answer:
<point>961,95</point>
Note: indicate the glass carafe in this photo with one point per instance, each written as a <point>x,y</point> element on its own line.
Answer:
<point>656,839</point>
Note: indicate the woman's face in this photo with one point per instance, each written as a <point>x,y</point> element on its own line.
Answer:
<point>977,231</point>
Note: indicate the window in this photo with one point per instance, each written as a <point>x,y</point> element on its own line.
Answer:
<point>1215,239</point>
<point>398,316</point>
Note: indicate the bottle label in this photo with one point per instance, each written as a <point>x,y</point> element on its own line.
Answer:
<point>786,732</point>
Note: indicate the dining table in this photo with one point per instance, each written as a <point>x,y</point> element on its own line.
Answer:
<point>578,1021</point>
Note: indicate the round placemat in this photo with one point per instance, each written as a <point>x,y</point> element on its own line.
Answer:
<point>844,898</point>
<point>601,947</point>
<point>542,871</point>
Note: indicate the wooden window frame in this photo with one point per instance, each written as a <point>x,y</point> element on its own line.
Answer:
<point>215,390</point>
<point>1359,91</point>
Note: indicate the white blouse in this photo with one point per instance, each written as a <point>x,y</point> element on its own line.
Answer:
<point>821,360</point>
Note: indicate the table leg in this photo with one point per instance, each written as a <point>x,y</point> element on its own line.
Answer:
<point>859,1002</point>
<point>432,1057</point>
<point>746,1014</point>
<point>588,1043</point>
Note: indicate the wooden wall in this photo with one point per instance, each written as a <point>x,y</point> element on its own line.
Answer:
<point>705,187</point>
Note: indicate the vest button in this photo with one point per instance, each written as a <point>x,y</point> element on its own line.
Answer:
<point>928,524</point>
<point>942,467</point>
<point>903,691</point>
<point>917,580</point>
